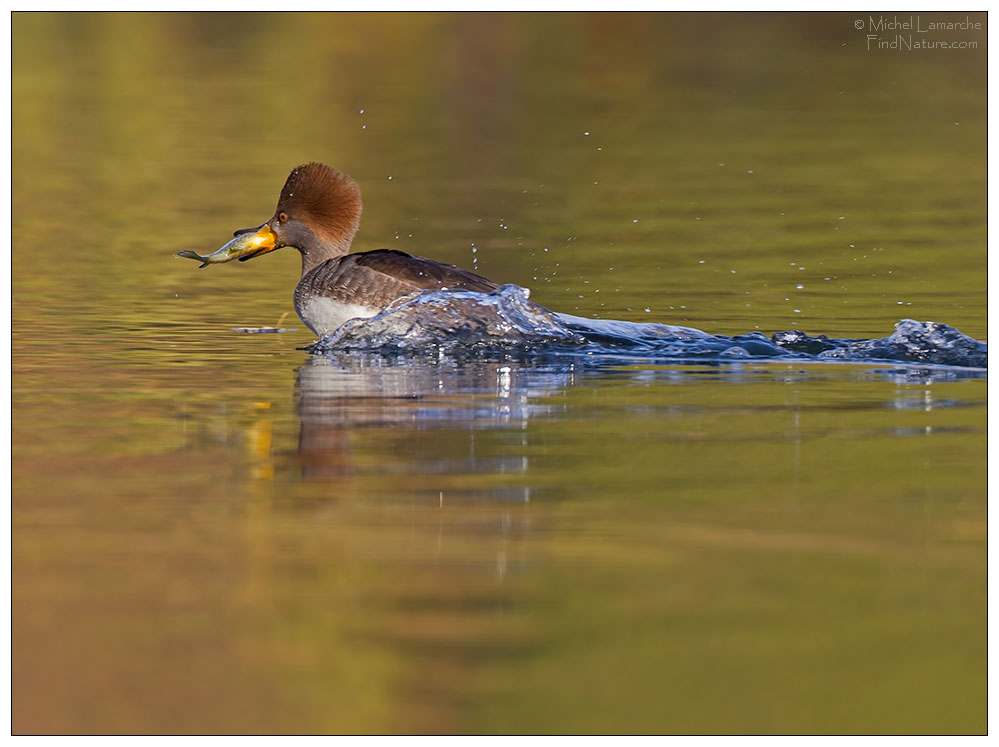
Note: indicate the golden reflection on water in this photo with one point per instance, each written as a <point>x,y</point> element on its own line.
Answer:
<point>216,532</point>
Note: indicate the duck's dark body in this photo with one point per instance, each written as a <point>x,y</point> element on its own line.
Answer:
<point>361,285</point>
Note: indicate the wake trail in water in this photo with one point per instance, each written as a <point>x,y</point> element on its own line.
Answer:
<point>507,319</point>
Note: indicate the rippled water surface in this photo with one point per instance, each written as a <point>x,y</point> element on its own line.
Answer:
<point>221,532</point>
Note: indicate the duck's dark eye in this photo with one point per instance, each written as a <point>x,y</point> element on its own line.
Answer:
<point>283,217</point>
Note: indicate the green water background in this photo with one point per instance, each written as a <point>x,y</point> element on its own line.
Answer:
<point>776,550</point>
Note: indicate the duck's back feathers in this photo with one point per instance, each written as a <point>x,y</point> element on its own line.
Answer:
<point>420,272</point>
<point>385,274</point>
<point>371,281</point>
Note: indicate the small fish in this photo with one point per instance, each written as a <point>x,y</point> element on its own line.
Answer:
<point>244,246</point>
<point>189,254</point>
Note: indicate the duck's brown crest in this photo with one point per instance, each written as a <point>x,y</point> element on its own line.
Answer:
<point>327,199</point>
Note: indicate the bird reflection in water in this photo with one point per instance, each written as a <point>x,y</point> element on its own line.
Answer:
<point>343,394</point>
<point>371,412</point>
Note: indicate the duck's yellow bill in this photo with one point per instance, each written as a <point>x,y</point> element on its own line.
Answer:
<point>263,240</point>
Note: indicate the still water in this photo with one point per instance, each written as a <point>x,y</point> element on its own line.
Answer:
<point>221,532</point>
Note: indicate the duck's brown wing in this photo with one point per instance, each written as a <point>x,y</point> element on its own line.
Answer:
<point>377,278</point>
<point>420,272</point>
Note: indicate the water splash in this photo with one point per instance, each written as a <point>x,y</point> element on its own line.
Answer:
<point>449,320</point>
<point>456,321</point>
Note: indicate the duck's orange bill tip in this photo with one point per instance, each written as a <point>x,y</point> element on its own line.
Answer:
<point>261,242</point>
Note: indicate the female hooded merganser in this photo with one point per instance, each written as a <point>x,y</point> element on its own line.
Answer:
<point>318,213</point>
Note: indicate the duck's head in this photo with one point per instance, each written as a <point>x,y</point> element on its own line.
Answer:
<point>318,213</point>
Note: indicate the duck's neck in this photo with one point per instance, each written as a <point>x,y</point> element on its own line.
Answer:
<point>318,253</point>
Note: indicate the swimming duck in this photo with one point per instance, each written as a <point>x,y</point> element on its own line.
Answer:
<point>318,213</point>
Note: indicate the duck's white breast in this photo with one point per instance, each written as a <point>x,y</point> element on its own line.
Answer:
<point>325,315</point>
